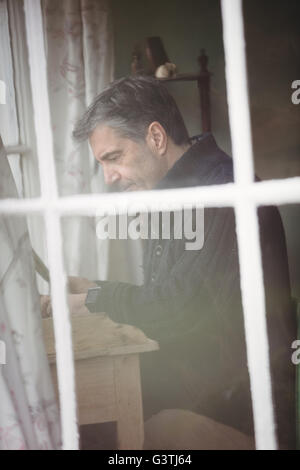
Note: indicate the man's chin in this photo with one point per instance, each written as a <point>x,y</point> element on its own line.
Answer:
<point>133,187</point>
<point>125,189</point>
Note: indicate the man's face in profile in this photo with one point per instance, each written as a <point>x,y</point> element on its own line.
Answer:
<point>127,165</point>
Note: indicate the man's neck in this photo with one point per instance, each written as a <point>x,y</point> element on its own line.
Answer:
<point>175,153</point>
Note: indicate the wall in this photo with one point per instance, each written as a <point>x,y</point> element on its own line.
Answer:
<point>184,30</point>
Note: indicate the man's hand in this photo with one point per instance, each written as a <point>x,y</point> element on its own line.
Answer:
<point>79,285</point>
<point>75,301</point>
<point>77,304</point>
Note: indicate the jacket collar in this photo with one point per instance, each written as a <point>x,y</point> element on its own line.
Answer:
<point>195,164</point>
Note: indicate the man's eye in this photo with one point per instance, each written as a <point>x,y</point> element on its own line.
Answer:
<point>113,157</point>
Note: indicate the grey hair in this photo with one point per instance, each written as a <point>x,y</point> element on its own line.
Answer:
<point>129,105</point>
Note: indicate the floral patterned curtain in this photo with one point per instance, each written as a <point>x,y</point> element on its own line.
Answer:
<point>79,52</point>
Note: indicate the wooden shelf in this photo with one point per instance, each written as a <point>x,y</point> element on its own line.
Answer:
<point>184,77</point>
<point>203,82</point>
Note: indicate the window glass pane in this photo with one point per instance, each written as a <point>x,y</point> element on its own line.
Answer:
<point>9,129</point>
<point>290,215</point>
<point>273,59</point>
<point>190,303</point>
<point>280,257</point>
<point>16,116</point>
<point>15,166</point>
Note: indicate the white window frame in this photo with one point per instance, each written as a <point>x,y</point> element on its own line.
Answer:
<point>244,195</point>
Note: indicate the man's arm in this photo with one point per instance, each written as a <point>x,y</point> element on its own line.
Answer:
<point>79,285</point>
<point>77,288</point>
<point>161,309</point>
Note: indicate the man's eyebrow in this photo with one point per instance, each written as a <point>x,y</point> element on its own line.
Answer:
<point>106,155</point>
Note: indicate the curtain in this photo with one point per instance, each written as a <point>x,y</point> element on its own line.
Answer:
<point>80,58</point>
<point>79,51</point>
<point>29,416</point>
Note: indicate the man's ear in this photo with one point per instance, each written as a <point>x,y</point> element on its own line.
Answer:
<point>157,138</point>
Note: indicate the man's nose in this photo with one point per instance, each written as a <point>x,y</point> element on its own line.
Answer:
<point>111,176</point>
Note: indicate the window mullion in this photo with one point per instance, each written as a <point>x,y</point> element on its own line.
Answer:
<point>49,194</point>
<point>252,287</point>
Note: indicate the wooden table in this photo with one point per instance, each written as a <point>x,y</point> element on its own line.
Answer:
<point>107,372</point>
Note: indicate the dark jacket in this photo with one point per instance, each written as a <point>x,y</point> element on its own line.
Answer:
<point>191,303</point>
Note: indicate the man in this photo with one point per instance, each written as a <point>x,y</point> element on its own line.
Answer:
<point>190,301</point>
